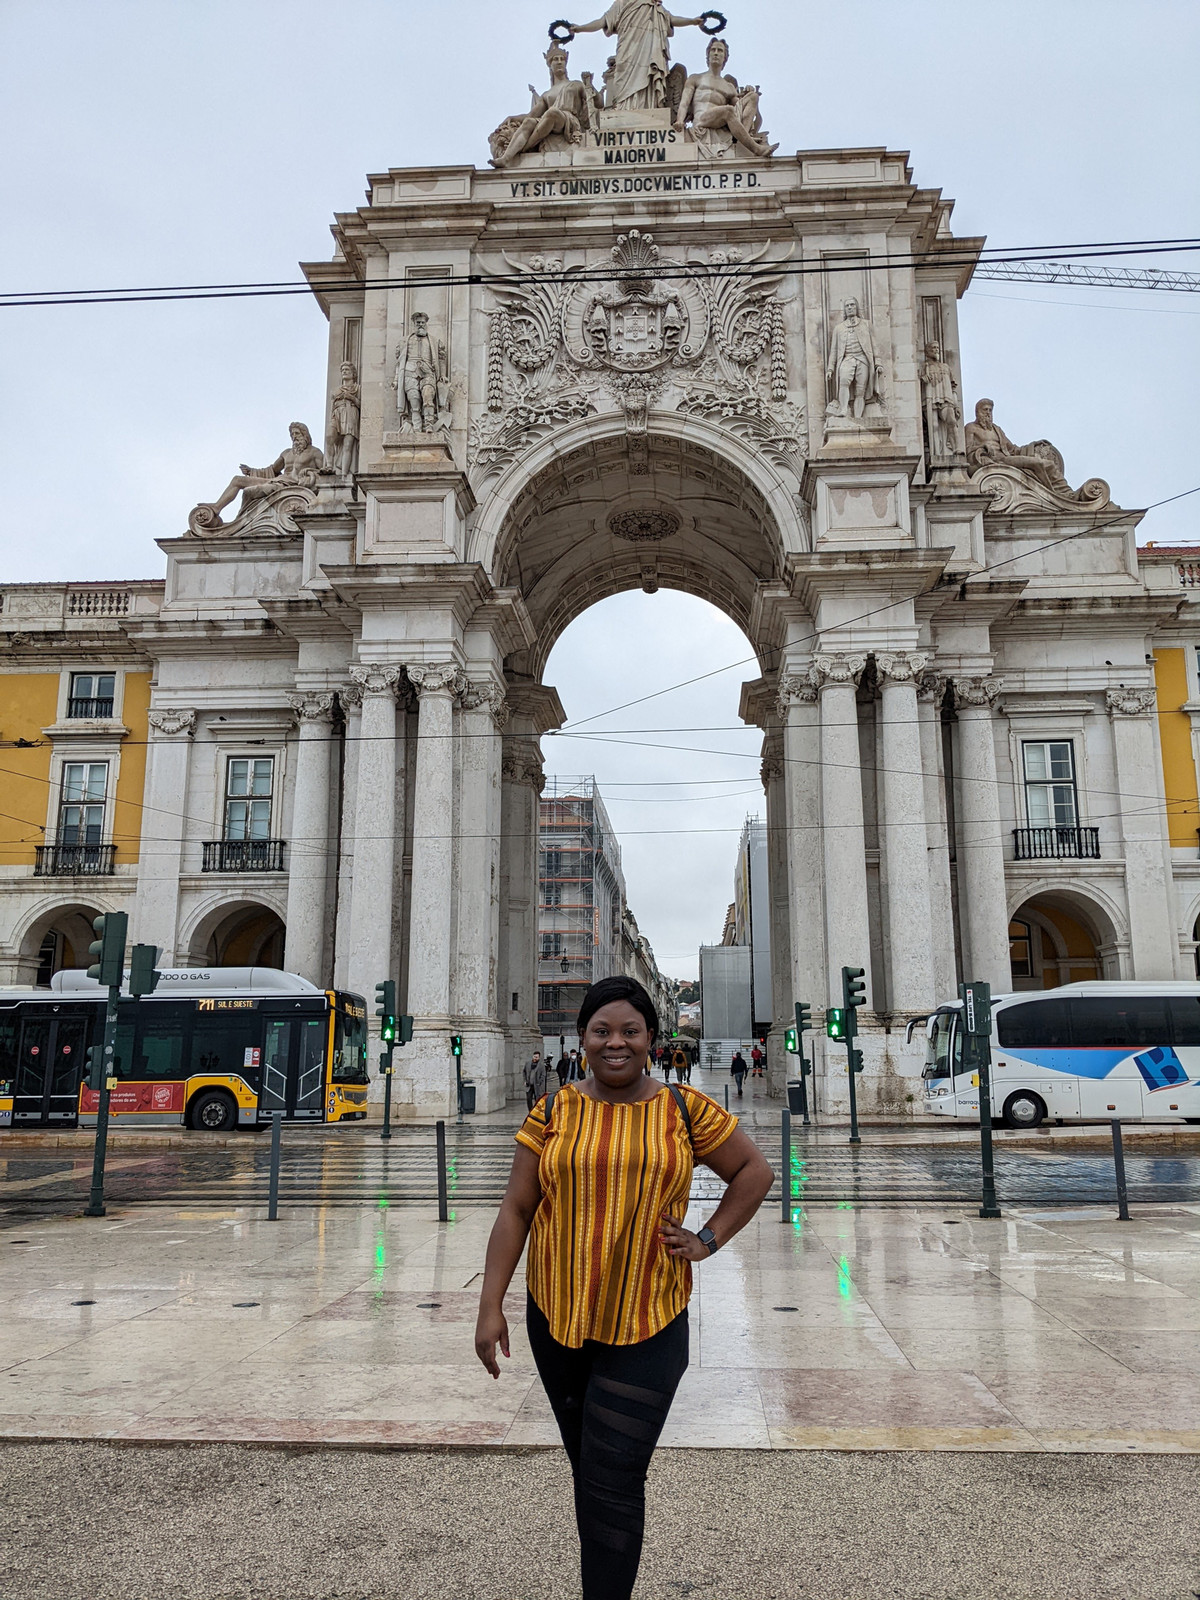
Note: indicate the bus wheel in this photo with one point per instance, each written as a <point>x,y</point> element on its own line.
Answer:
<point>214,1112</point>
<point>1024,1110</point>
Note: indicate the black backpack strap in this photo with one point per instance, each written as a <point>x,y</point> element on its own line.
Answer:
<point>677,1096</point>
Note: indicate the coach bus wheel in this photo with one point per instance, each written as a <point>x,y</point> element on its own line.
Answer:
<point>1024,1110</point>
<point>214,1112</point>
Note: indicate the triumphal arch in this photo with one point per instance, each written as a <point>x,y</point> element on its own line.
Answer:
<point>635,346</point>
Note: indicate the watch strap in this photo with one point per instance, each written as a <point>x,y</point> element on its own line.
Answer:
<point>709,1239</point>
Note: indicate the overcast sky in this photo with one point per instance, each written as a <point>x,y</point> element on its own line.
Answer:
<point>208,141</point>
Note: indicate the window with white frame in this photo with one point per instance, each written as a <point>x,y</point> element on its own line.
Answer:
<point>82,802</point>
<point>249,792</point>
<point>91,694</point>
<point>1051,796</point>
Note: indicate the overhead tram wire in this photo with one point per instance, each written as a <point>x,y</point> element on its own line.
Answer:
<point>989,257</point>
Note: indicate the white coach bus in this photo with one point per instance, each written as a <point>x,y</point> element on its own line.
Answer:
<point>1085,1052</point>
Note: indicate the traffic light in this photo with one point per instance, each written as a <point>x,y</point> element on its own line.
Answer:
<point>854,988</point>
<point>791,1042</point>
<point>856,1060</point>
<point>835,1023</point>
<point>385,1009</point>
<point>456,1044</point>
<point>803,1017</point>
<point>405,1027</point>
<point>143,970</point>
<point>107,950</point>
<point>95,1067</point>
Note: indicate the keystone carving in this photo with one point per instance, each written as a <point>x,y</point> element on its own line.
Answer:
<point>901,667</point>
<point>977,691</point>
<point>172,722</point>
<point>1130,702</point>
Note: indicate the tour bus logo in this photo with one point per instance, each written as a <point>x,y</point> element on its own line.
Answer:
<point>1161,1068</point>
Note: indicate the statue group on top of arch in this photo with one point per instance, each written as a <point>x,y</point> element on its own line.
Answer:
<point>1027,477</point>
<point>710,109</point>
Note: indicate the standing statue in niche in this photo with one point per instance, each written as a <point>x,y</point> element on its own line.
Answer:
<point>942,410</point>
<point>565,109</point>
<point>715,103</point>
<point>291,478</point>
<point>343,423</point>
<point>422,381</point>
<point>642,27</point>
<point>854,370</point>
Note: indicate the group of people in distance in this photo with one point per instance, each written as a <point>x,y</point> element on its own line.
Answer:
<point>571,1067</point>
<point>678,1057</point>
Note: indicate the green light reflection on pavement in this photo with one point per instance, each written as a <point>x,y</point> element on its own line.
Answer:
<point>845,1286</point>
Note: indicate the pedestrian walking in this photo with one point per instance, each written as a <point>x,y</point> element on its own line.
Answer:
<point>739,1070</point>
<point>535,1080</point>
<point>679,1060</point>
<point>756,1061</point>
<point>561,1066</point>
<point>609,1268</point>
<point>576,1068</point>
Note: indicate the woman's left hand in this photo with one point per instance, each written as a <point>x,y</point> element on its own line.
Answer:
<point>678,1241</point>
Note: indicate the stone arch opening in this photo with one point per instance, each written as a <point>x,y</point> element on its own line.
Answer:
<point>1061,936</point>
<point>56,940</point>
<point>243,934</point>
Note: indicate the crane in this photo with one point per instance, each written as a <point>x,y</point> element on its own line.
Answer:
<point>1101,277</point>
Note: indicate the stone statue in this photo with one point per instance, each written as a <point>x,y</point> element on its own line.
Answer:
<point>942,410</point>
<point>342,453</point>
<point>565,109</point>
<point>854,370</point>
<point>642,27</point>
<point>715,103</point>
<point>422,381</point>
<point>595,97</point>
<point>291,477</point>
<point>1025,478</point>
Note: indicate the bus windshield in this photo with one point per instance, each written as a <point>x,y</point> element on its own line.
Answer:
<point>349,1040</point>
<point>944,1037</point>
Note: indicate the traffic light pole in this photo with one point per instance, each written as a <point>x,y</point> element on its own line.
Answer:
<point>977,1020</point>
<point>802,1021</point>
<point>385,1067</point>
<point>95,1205</point>
<point>852,1066</point>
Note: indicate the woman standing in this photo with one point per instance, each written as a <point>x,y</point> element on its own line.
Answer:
<point>604,1179</point>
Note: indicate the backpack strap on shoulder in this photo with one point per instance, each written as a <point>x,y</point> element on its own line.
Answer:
<point>677,1096</point>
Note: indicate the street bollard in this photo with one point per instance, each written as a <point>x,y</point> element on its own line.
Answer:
<point>443,1191</point>
<point>727,1097</point>
<point>1119,1166</point>
<point>273,1186</point>
<point>787,1168</point>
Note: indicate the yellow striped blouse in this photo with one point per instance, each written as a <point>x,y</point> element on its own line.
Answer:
<point>609,1173</point>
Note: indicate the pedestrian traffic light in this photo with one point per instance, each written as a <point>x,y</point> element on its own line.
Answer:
<point>385,1009</point>
<point>456,1044</point>
<point>107,950</point>
<point>791,1042</point>
<point>404,1026</point>
<point>835,1023</point>
<point>856,1060</point>
<point>95,1067</point>
<point>143,970</point>
<point>803,1017</point>
<point>854,988</point>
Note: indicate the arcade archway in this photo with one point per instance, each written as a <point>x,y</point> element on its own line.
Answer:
<point>245,934</point>
<point>1057,938</point>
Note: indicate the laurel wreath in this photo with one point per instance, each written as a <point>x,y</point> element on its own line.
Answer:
<point>719,22</point>
<point>561,38</point>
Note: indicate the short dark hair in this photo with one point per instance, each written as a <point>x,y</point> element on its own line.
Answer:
<point>607,991</point>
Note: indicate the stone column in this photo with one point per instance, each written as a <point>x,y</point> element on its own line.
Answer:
<point>351,699</point>
<point>905,846</point>
<point>164,828</point>
<point>431,911</point>
<point>306,951</point>
<point>476,969</point>
<point>931,690</point>
<point>370,957</point>
<point>523,782</point>
<point>1145,844</point>
<point>847,928</point>
<point>982,892</point>
<point>782,1066</point>
<point>800,779</point>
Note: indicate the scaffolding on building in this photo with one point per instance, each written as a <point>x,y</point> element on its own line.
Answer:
<point>581,899</point>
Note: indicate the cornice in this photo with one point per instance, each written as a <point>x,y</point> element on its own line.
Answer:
<point>460,587</point>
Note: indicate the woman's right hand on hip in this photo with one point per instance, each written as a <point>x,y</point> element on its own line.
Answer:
<point>491,1329</point>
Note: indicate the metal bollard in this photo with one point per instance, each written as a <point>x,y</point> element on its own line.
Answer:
<point>443,1190</point>
<point>273,1187</point>
<point>727,1097</point>
<point>1119,1166</point>
<point>786,1184</point>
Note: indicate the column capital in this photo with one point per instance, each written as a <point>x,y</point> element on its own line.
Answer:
<point>437,678</point>
<point>900,666</point>
<point>838,669</point>
<point>522,763</point>
<point>376,680</point>
<point>172,721</point>
<point>1130,702</point>
<point>932,686</point>
<point>982,691</point>
<point>311,706</point>
<point>487,696</point>
<point>795,689</point>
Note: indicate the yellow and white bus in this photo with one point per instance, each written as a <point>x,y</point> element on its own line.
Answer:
<point>212,1048</point>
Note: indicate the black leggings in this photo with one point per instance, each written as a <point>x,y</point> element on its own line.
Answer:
<point>610,1402</point>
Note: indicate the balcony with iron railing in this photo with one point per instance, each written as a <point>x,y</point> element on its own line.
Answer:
<point>1056,844</point>
<point>75,861</point>
<point>244,855</point>
<point>95,708</point>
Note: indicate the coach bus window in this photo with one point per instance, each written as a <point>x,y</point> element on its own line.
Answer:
<point>1118,1022</point>
<point>1184,1011</point>
<point>1037,1025</point>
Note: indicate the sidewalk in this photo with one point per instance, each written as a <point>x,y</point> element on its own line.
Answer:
<point>905,1328</point>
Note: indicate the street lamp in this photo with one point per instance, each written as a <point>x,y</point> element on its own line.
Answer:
<point>565,965</point>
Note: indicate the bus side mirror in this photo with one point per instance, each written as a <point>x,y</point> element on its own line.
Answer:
<point>913,1024</point>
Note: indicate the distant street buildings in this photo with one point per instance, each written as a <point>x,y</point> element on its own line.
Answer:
<point>735,975</point>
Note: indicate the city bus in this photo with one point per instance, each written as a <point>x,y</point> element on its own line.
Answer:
<point>1084,1052</point>
<point>212,1048</point>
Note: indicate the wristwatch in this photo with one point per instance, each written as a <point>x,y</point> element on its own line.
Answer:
<point>708,1238</point>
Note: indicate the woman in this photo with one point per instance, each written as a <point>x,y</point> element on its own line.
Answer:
<point>604,1179</point>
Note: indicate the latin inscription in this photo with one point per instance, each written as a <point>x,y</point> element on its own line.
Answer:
<point>645,183</point>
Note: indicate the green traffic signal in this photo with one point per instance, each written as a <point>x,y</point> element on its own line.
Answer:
<point>791,1042</point>
<point>387,1030</point>
<point>835,1022</point>
<point>108,949</point>
<point>456,1044</point>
